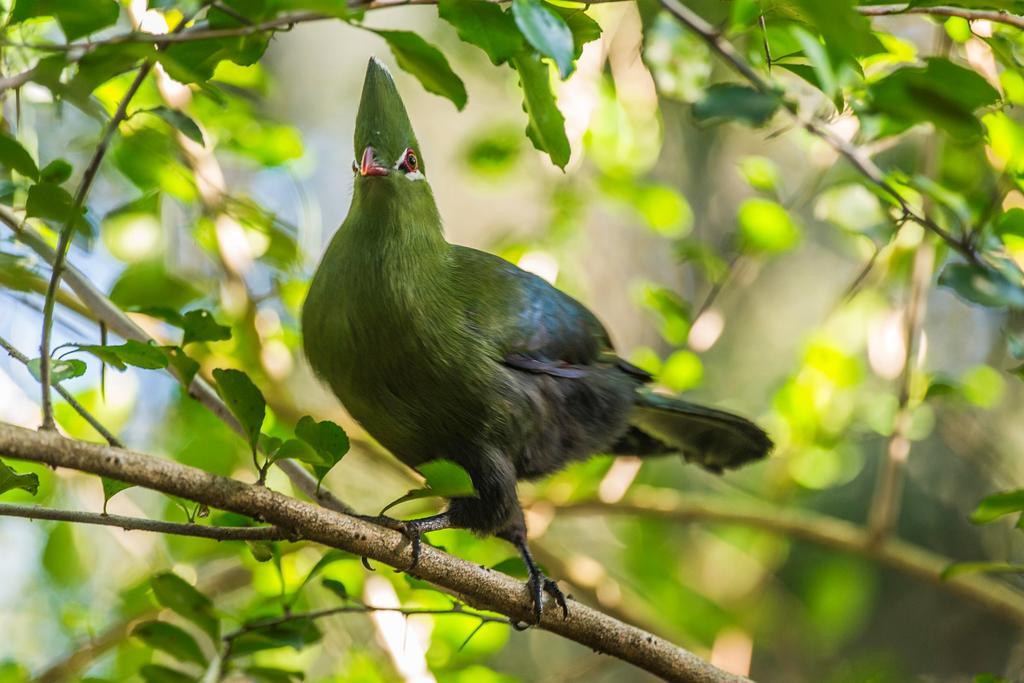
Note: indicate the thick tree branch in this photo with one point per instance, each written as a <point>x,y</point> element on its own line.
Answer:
<point>476,586</point>
<point>997,597</point>
<point>217,533</point>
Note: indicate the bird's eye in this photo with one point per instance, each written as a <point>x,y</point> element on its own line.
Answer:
<point>409,162</point>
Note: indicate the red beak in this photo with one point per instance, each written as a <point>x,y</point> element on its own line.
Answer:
<point>369,165</point>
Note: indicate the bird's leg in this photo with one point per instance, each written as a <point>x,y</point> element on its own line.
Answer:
<point>537,583</point>
<point>413,529</point>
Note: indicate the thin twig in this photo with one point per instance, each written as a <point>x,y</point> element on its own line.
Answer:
<point>997,16</point>
<point>65,394</point>
<point>68,229</point>
<point>804,525</point>
<point>361,609</point>
<point>218,533</point>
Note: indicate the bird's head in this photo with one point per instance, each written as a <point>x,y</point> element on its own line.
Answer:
<point>388,164</point>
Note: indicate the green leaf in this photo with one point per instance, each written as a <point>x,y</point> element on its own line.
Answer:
<point>77,19</point>
<point>513,566</point>
<point>57,171</point>
<point>961,568</point>
<point>14,156</point>
<point>156,673</point>
<point>766,227</point>
<point>734,101</point>
<point>998,504</point>
<point>105,62</point>
<point>295,633</point>
<point>177,595</point>
<point>50,202</point>
<point>546,31</point>
<point>942,93</point>
<point>149,284</point>
<point>981,285</point>
<point>546,125</point>
<point>294,449</point>
<point>60,370</point>
<point>132,352</point>
<point>185,367</point>
<point>844,30</point>
<point>444,478</point>
<point>200,326</point>
<point>336,587</point>
<point>263,674</point>
<point>171,639</point>
<point>10,480</point>
<point>262,551</point>
<point>179,121</point>
<point>424,61</point>
<point>329,440</point>
<point>244,399</point>
<point>328,558</point>
<point>485,25</point>
<point>111,487</point>
<point>584,29</point>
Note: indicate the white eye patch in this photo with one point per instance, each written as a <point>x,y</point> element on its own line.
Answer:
<point>414,175</point>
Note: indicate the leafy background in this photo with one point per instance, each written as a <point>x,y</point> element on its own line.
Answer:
<point>730,250</point>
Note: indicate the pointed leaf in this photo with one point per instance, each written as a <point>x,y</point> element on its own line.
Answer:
<point>981,285</point>
<point>998,504</point>
<point>960,568</point>
<point>329,440</point>
<point>178,595</point>
<point>485,25</point>
<point>546,125</point>
<point>171,639</point>
<point>156,673</point>
<point>336,587</point>
<point>244,399</point>
<point>427,64</point>
<point>296,633</point>
<point>60,370</point>
<point>546,31</point>
<point>57,171</point>
<point>200,326</point>
<point>735,101</point>
<point>141,355</point>
<point>10,480</point>
<point>179,121</point>
<point>111,487</point>
<point>184,366</point>
<point>14,156</point>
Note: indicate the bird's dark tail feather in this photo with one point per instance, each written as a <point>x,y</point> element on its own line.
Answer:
<point>714,439</point>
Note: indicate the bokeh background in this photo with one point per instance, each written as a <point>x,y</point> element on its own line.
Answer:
<point>643,227</point>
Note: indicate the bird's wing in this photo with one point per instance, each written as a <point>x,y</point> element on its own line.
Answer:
<point>535,327</point>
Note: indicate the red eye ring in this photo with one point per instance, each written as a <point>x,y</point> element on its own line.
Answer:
<point>409,163</point>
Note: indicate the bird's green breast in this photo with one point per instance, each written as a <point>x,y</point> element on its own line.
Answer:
<point>383,326</point>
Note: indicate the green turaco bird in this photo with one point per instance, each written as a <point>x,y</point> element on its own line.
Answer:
<point>442,351</point>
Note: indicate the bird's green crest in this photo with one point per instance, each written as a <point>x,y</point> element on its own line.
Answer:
<point>382,122</point>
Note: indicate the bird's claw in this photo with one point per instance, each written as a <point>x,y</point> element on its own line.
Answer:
<point>538,584</point>
<point>410,530</point>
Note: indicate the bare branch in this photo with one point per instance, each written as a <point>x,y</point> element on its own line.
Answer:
<point>997,597</point>
<point>477,586</point>
<point>997,16</point>
<point>217,533</point>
